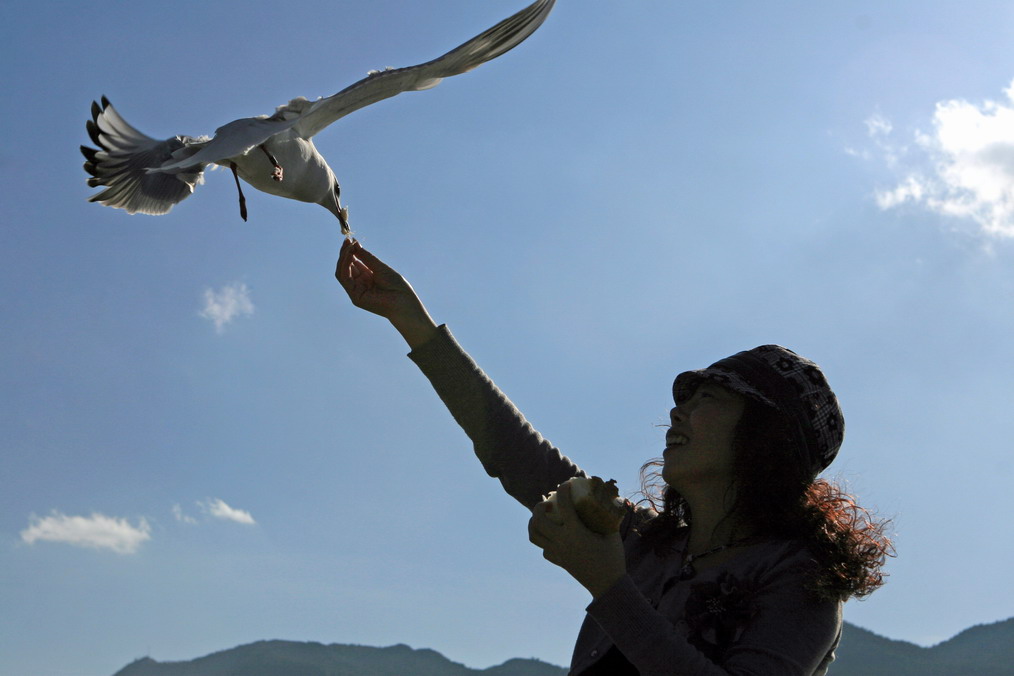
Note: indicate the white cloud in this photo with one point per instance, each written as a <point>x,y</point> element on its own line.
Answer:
<point>963,167</point>
<point>218,509</point>
<point>180,516</point>
<point>96,531</point>
<point>909,190</point>
<point>878,125</point>
<point>226,304</point>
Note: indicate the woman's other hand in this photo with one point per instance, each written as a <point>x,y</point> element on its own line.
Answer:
<point>596,561</point>
<point>375,287</point>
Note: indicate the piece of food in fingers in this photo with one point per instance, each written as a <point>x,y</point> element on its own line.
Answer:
<point>597,502</point>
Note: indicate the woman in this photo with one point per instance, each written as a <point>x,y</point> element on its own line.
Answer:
<point>738,564</point>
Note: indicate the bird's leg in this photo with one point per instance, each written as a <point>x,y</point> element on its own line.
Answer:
<point>242,200</point>
<point>277,175</point>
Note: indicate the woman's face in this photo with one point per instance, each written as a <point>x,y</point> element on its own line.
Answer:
<point>699,449</point>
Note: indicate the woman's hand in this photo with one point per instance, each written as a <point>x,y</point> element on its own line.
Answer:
<point>375,287</point>
<point>596,561</point>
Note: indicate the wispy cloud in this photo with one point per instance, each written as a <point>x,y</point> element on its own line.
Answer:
<point>218,509</point>
<point>181,516</point>
<point>226,304</point>
<point>97,531</point>
<point>878,125</point>
<point>963,167</point>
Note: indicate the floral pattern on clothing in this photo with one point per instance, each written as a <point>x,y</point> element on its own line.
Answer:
<point>717,612</point>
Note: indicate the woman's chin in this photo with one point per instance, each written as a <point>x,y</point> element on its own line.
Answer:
<point>671,474</point>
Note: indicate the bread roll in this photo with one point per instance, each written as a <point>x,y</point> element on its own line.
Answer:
<point>597,502</point>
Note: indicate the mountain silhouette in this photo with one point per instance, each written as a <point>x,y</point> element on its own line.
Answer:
<point>982,650</point>
<point>292,658</point>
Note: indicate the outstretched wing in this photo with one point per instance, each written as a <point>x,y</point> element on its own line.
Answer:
<point>498,40</point>
<point>122,161</point>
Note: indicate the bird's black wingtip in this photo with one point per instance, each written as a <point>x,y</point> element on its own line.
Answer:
<point>93,133</point>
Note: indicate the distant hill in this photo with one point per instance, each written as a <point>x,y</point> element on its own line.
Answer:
<point>983,650</point>
<point>292,658</point>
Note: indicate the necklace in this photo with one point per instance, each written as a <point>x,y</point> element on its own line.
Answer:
<point>687,570</point>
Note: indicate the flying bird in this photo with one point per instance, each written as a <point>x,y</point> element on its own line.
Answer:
<point>273,153</point>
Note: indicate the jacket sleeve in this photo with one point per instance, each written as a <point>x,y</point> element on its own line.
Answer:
<point>508,447</point>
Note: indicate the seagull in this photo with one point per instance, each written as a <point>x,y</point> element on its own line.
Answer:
<point>273,153</point>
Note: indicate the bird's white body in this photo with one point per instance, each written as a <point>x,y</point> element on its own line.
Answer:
<point>307,178</point>
<point>275,153</point>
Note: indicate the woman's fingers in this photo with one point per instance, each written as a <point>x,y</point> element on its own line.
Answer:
<point>342,263</point>
<point>351,272</point>
<point>565,503</point>
<point>367,258</point>
<point>537,538</point>
<point>544,530</point>
<point>536,529</point>
<point>344,270</point>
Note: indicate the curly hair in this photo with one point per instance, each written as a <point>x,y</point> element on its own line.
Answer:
<point>777,498</point>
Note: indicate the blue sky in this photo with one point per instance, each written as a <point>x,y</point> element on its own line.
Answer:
<point>205,445</point>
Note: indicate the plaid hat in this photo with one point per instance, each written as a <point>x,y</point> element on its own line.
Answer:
<point>795,386</point>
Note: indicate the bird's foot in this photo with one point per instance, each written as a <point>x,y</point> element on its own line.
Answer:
<point>277,173</point>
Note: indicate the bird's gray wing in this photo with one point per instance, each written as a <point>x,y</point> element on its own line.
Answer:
<point>123,159</point>
<point>232,140</point>
<point>380,85</point>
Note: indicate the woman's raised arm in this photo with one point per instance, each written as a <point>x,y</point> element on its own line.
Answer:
<point>376,287</point>
<point>509,448</point>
